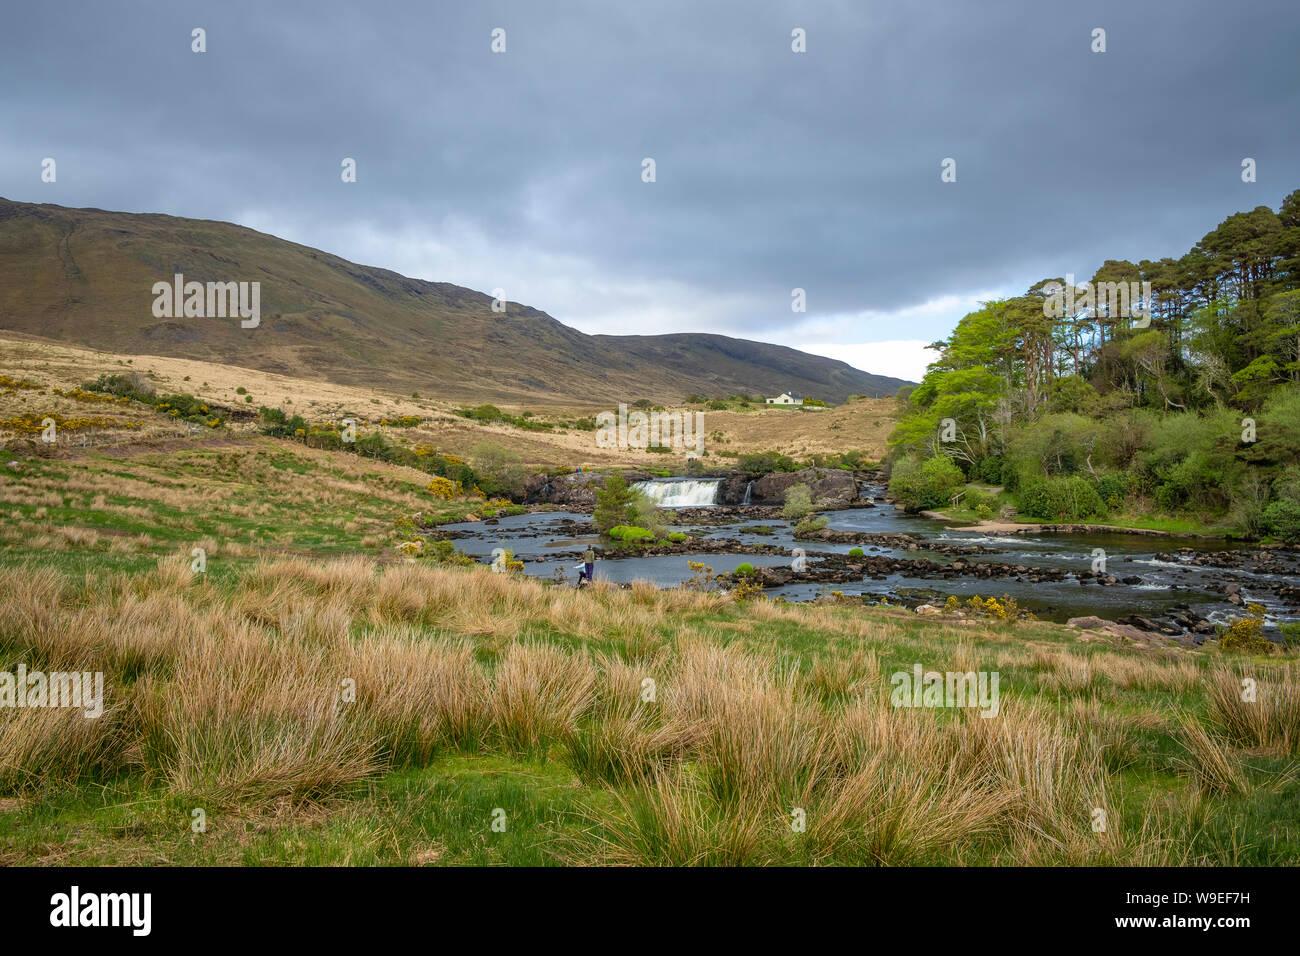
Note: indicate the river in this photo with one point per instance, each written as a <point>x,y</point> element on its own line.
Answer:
<point>549,542</point>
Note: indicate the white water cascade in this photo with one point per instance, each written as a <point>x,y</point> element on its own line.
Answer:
<point>680,492</point>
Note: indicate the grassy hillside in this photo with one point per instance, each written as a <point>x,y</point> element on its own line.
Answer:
<point>557,436</point>
<point>325,701</point>
<point>84,277</point>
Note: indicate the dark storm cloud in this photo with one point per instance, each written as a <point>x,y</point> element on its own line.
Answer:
<point>775,170</point>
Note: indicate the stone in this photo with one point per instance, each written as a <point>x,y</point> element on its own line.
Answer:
<point>1088,623</point>
<point>830,487</point>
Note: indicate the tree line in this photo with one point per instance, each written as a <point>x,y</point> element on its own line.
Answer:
<point>1167,386</point>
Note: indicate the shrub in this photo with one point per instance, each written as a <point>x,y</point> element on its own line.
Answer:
<point>1059,498</point>
<point>763,462</point>
<point>745,569</point>
<point>856,553</point>
<point>373,445</point>
<point>631,534</point>
<point>1246,634</point>
<point>676,537</point>
<point>977,498</point>
<point>1113,487</point>
<point>646,515</point>
<point>443,488</point>
<point>929,485</point>
<point>990,469</point>
<point>132,385</point>
<point>798,503</point>
<point>1282,519</point>
<point>277,424</point>
<point>810,525</point>
<point>499,470</point>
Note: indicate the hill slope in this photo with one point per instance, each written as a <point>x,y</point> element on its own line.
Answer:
<point>85,277</point>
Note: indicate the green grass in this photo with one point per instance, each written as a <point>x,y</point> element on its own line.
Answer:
<point>272,499</point>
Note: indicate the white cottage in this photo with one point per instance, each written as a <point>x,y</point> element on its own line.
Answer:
<point>786,398</point>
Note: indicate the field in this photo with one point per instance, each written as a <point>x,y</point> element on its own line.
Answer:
<point>863,424</point>
<point>272,661</point>
<point>321,700</point>
<point>329,712</point>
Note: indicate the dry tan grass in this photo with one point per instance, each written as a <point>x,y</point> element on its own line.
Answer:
<point>863,425</point>
<point>40,746</point>
<point>1263,716</point>
<point>1210,760</point>
<point>302,679</point>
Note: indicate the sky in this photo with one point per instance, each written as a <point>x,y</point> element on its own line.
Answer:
<point>774,170</point>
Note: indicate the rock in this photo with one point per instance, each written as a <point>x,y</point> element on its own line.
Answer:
<point>1143,623</point>
<point>928,609</point>
<point>774,577</point>
<point>577,490</point>
<point>732,490</point>
<point>1088,623</point>
<point>830,487</point>
<point>1125,630</point>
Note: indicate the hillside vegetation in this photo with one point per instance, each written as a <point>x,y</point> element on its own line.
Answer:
<point>540,437</point>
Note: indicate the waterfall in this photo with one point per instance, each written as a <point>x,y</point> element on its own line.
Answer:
<point>748,488</point>
<point>680,492</point>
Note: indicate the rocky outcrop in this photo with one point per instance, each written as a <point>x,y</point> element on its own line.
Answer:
<point>577,491</point>
<point>830,487</point>
<point>1188,627</point>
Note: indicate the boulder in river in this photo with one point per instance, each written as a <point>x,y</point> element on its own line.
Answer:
<point>830,487</point>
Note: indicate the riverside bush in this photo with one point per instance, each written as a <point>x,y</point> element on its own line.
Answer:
<point>1246,634</point>
<point>928,485</point>
<point>1282,519</point>
<point>1070,499</point>
<point>810,525</point>
<point>631,534</point>
<point>798,503</point>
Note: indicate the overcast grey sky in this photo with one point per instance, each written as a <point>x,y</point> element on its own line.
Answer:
<point>775,169</point>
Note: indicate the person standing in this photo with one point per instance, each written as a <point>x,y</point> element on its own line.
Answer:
<point>589,564</point>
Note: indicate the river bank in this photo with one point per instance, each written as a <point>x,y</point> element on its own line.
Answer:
<point>1005,526</point>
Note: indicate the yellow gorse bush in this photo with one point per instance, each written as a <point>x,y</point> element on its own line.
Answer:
<point>1246,634</point>
<point>443,488</point>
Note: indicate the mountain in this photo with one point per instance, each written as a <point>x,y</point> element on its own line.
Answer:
<point>86,277</point>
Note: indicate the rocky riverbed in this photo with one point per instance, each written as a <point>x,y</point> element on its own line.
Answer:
<point>1161,586</point>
